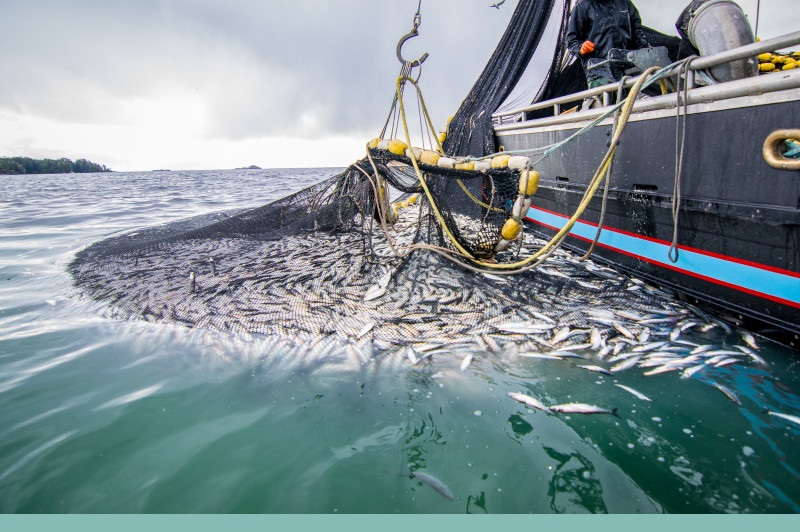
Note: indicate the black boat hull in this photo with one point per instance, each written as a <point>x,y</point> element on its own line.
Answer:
<point>738,229</point>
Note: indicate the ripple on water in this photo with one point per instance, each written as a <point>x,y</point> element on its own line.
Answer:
<point>107,416</point>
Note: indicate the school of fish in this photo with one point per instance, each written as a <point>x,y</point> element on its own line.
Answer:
<point>324,292</point>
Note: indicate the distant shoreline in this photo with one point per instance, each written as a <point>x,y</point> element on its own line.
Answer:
<point>29,166</point>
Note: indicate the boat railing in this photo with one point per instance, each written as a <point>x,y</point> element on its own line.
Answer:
<point>697,64</point>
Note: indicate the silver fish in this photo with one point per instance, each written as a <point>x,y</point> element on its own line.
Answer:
<point>590,286</point>
<point>383,281</point>
<point>701,349</point>
<point>629,315</point>
<point>625,364</point>
<point>600,313</point>
<point>685,326</point>
<point>752,354</point>
<point>543,317</point>
<point>688,372</point>
<point>596,338</point>
<point>639,395</point>
<point>436,484</point>
<point>466,362</point>
<point>649,347</point>
<point>787,417</point>
<point>367,328</point>
<point>412,356</point>
<point>750,340</point>
<point>579,347</point>
<point>653,321</point>
<point>424,348</point>
<point>623,356</point>
<point>596,369</point>
<point>624,331</point>
<point>725,352</point>
<point>604,352</point>
<point>524,327</point>
<point>565,353</point>
<point>581,408</point>
<point>554,273</point>
<point>560,335</point>
<point>728,393</point>
<point>663,369</point>
<point>542,356</point>
<point>374,292</point>
<point>491,344</point>
<point>529,401</point>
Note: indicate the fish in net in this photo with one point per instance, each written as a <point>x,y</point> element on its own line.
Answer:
<point>339,266</point>
<point>318,264</point>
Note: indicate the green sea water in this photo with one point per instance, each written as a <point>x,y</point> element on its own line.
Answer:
<point>104,416</point>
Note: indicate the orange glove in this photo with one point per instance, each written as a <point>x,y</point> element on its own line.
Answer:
<point>587,48</point>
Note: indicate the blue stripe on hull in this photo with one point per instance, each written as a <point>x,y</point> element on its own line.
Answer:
<point>770,284</point>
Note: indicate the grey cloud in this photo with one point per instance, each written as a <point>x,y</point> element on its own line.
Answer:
<point>282,67</point>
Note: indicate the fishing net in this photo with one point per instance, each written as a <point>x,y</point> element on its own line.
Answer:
<point>273,271</point>
<point>318,273</point>
<point>470,132</point>
<point>340,264</point>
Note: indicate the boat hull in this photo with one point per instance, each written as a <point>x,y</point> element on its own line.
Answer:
<point>738,229</point>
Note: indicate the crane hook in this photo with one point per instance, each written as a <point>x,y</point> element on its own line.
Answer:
<point>413,33</point>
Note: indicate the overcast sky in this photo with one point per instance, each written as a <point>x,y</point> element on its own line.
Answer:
<point>206,84</point>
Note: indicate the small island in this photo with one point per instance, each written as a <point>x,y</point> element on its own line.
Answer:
<point>26,165</point>
<point>251,167</point>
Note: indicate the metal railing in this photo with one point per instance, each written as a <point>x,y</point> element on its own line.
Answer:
<point>697,64</point>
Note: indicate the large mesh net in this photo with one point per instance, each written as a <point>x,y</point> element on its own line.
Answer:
<point>336,263</point>
<point>317,270</point>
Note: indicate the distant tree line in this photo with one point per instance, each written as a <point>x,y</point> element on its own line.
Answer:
<point>26,165</point>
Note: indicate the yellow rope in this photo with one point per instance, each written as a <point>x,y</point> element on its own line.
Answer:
<point>558,238</point>
<point>421,177</point>
<point>476,200</point>
<point>594,185</point>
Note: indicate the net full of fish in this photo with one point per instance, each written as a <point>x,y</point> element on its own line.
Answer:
<point>344,293</point>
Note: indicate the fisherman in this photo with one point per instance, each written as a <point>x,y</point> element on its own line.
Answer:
<point>597,26</point>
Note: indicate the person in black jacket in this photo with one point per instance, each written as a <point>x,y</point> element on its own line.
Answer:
<point>597,26</point>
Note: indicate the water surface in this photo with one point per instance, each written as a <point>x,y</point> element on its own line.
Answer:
<point>98,415</point>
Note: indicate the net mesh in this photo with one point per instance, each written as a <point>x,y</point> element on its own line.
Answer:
<point>470,132</point>
<point>320,266</point>
<point>316,269</point>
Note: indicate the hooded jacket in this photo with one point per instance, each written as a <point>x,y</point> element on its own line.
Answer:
<point>608,24</point>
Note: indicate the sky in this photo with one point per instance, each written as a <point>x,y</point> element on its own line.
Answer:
<point>204,84</point>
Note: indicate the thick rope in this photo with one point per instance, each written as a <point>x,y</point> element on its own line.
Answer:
<point>625,111</point>
<point>681,111</point>
<point>400,82</point>
<point>607,186</point>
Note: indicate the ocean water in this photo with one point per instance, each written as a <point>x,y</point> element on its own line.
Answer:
<point>105,416</point>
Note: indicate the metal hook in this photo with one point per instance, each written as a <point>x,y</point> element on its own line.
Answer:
<point>409,35</point>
